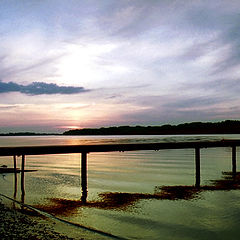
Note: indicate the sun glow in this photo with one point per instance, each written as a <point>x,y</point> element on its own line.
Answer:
<point>70,127</point>
<point>83,63</point>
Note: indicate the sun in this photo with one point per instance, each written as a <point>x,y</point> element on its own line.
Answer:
<point>71,127</point>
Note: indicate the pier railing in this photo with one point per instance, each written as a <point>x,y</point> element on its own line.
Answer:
<point>61,149</point>
<point>85,149</point>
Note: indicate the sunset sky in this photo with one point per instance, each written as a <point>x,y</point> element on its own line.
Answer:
<point>90,63</point>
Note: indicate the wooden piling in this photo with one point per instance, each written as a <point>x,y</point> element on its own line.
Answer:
<point>84,176</point>
<point>234,160</point>
<point>197,165</point>
<point>15,175</point>
<point>15,163</point>
<point>22,177</point>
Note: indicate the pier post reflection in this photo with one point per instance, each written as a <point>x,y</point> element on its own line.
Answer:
<point>15,180</point>
<point>15,185</point>
<point>234,160</point>
<point>197,165</point>
<point>84,177</point>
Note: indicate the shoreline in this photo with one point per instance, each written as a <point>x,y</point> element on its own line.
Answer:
<point>17,225</point>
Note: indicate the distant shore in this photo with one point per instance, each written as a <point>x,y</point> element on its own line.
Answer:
<point>224,127</point>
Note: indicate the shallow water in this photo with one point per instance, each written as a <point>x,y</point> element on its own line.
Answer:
<point>213,215</point>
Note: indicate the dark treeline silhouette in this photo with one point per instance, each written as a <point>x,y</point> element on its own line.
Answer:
<point>224,127</point>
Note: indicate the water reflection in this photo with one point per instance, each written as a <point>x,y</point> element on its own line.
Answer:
<point>126,201</point>
<point>15,185</point>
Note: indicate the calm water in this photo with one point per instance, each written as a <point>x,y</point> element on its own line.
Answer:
<point>214,215</point>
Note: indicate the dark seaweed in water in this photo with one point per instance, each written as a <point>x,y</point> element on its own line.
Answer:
<point>125,201</point>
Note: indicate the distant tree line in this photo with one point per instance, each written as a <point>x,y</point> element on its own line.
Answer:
<point>224,127</point>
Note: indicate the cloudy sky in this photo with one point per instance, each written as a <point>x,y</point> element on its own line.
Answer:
<point>89,63</point>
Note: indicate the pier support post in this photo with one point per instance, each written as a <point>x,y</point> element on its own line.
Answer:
<point>197,165</point>
<point>234,160</point>
<point>84,177</point>
<point>15,163</point>
<point>15,175</point>
<point>22,178</point>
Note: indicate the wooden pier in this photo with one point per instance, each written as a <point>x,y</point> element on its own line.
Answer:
<point>85,149</point>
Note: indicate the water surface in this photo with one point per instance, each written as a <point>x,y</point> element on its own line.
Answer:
<point>214,215</point>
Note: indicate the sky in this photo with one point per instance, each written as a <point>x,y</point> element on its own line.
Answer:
<point>68,64</point>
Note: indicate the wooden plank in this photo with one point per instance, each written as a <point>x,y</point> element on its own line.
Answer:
<point>62,149</point>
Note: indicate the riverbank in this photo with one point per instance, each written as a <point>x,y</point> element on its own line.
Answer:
<point>16,225</point>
